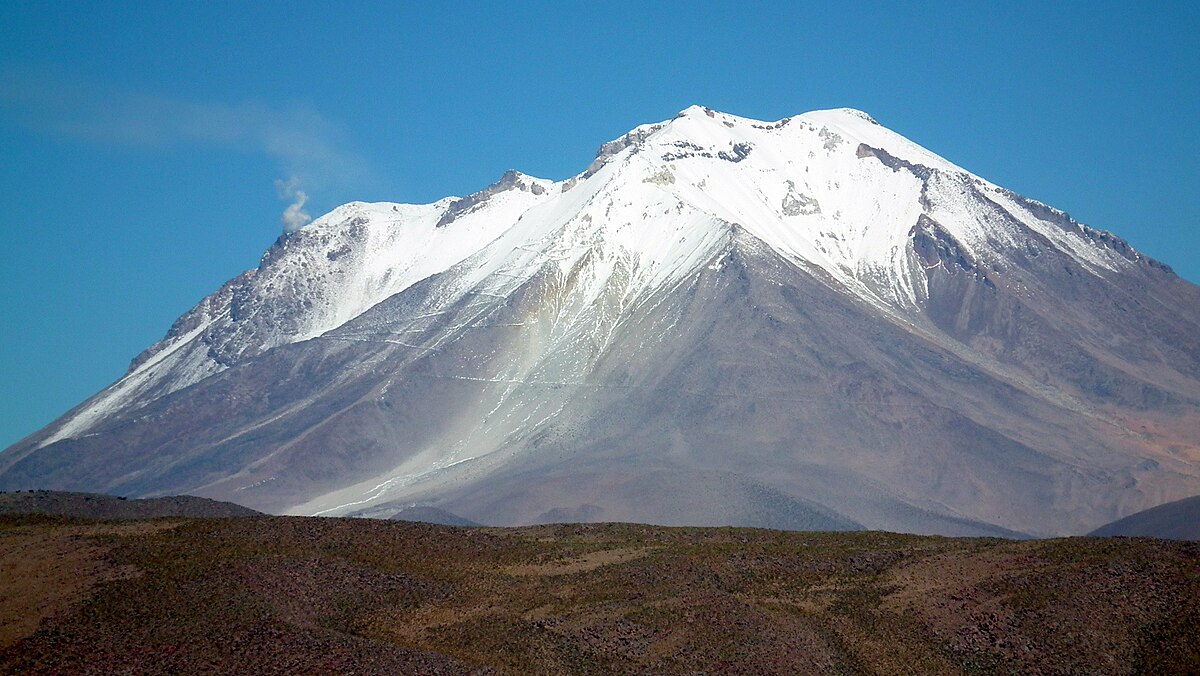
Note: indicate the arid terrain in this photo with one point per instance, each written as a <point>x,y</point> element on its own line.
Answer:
<point>294,594</point>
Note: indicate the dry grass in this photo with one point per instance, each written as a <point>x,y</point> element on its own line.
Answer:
<point>45,571</point>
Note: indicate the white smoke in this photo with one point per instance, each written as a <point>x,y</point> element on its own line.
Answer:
<point>294,216</point>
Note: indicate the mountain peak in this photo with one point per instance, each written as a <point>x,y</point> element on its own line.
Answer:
<point>693,109</point>
<point>699,112</point>
<point>846,112</point>
<point>706,115</point>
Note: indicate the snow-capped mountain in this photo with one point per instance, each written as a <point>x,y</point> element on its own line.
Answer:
<point>806,323</point>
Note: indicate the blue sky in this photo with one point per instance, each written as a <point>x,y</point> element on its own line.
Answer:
<point>143,145</point>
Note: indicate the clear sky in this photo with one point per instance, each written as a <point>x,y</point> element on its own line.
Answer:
<point>148,149</point>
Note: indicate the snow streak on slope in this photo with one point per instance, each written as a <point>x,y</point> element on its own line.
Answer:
<point>832,191</point>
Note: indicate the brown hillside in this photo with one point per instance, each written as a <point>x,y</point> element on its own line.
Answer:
<point>111,507</point>
<point>268,594</point>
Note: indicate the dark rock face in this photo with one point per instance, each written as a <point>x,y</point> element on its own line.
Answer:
<point>892,162</point>
<point>262,305</point>
<point>192,320</point>
<point>607,150</point>
<point>937,247</point>
<point>511,180</point>
<point>737,153</point>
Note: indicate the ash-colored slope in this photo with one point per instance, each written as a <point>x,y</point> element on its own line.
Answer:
<point>1178,520</point>
<point>719,321</point>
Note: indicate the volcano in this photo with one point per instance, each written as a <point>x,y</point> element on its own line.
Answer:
<point>812,323</point>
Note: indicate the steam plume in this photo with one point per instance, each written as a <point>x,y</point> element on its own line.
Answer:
<point>294,216</point>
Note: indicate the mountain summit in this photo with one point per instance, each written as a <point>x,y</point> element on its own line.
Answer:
<point>808,323</point>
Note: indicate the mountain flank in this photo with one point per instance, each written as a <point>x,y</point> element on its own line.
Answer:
<point>1179,520</point>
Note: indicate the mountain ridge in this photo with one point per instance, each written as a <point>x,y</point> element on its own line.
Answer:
<point>1177,520</point>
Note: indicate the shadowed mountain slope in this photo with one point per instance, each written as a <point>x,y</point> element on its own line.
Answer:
<point>1179,520</point>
